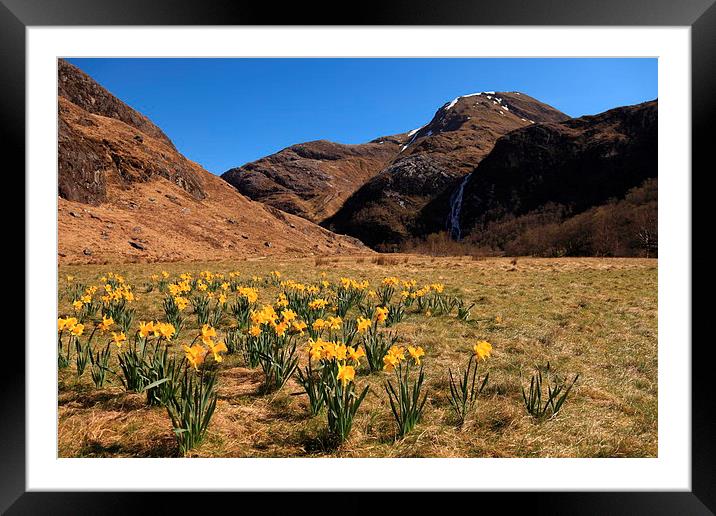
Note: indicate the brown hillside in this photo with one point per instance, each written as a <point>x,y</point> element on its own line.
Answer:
<point>126,194</point>
<point>313,179</point>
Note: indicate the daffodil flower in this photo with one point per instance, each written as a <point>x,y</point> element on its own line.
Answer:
<point>381,314</point>
<point>416,353</point>
<point>355,354</point>
<point>195,355</point>
<point>106,323</point>
<point>346,374</point>
<point>145,328</point>
<point>482,349</point>
<point>166,330</point>
<point>77,329</point>
<point>207,332</point>
<point>389,362</point>
<point>362,324</point>
<point>217,348</point>
<point>119,338</point>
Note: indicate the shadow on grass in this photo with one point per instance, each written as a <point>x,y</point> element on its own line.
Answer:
<point>319,442</point>
<point>162,447</point>
<point>103,399</point>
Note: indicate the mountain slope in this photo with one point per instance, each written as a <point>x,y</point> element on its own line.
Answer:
<point>542,175</point>
<point>127,194</point>
<point>387,209</point>
<point>313,179</point>
<point>578,163</point>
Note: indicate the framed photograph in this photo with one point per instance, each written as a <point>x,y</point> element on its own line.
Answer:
<point>411,250</point>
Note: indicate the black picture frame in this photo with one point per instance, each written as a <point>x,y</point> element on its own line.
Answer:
<point>17,15</point>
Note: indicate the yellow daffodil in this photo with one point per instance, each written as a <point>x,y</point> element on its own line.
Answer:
<point>288,315</point>
<point>298,327</point>
<point>329,350</point>
<point>315,349</point>
<point>317,304</point>
<point>145,329</point>
<point>381,314</point>
<point>106,323</point>
<point>195,355</point>
<point>78,305</point>
<point>281,328</point>
<point>118,338</point>
<point>334,323</point>
<point>362,324</point>
<point>390,361</point>
<point>340,351</point>
<point>346,373</point>
<point>217,348</point>
<point>416,353</point>
<point>398,352</point>
<point>207,332</point>
<point>355,354</point>
<point>482,349</point>
<point>77,329</point>
<point>166,330</point>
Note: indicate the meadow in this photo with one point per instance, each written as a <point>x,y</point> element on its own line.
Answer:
<point>591,317</point>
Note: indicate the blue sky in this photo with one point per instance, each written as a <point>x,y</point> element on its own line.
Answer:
<point>223,113</point>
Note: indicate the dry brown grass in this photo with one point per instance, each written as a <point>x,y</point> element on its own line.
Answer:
<point>596,317</point>
<point>384,260</point>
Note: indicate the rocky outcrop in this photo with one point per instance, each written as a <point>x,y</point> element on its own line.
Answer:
<point>84,92</point>
<point>101,140</point>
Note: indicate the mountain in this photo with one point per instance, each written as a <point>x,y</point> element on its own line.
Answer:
<point>127,194</point>
<point>313,179</point>
<point>538,178</point>
<point>388,209</point>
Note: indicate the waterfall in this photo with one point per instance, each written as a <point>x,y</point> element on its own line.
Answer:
<point>455,208</point>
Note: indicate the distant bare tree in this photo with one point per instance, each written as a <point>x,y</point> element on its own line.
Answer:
<point>647,236</point>
<point>648,241</point>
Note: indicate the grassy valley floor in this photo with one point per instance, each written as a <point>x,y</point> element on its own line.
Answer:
<point>592,316</point>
